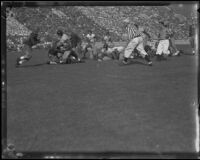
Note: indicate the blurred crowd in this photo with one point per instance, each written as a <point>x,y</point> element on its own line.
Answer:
<point>21,21</point>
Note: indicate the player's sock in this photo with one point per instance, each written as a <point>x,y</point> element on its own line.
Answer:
<point>52,62</point>
<point>147,58</point>
<point>176,53</point>
<point>22,57</point>
<point>125,60</point>
<point>193,51</point>
<point>18,62</point>
<point>150,63</point>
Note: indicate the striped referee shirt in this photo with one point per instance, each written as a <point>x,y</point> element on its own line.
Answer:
<point>132,31</point>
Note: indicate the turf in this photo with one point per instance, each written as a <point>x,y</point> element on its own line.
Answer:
<point>102,106</point>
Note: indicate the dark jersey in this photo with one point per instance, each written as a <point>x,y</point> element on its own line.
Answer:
<point>32,40</point>
<point>171,33</point>
<point>54,50</point>
<point>105,45</point>
<point>191,30</point>
<point>74,39</point>
<point>164,33</point>
<point>147,34</point>
<point>107,42</point>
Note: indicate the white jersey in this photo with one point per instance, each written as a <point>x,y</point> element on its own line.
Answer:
<point>91,37</point>
<point>64,38</point>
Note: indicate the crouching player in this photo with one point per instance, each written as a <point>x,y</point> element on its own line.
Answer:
<point>32,42</point>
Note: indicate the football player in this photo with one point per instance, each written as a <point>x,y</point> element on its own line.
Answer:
<point>31,42</point>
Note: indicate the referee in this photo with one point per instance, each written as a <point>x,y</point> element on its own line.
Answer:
<point>135,41</point>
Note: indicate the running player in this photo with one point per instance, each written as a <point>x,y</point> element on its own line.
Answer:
<point>32,42</point>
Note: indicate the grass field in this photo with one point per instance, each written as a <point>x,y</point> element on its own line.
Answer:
<point>101,106</point>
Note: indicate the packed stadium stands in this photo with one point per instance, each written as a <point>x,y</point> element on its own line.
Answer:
<point>21,20</point>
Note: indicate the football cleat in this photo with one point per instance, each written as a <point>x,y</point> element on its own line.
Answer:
<point>51,62</point>
<point>18,62</point>
<point>193,52</point>
<point>176,53</point>
<point>125,62</point>
<point>150,63</point>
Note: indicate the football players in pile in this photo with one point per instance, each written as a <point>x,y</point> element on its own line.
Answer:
<point>63,51</point>
<point>109,51</point>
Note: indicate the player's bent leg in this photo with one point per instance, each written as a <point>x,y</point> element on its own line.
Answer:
<point>129,49</point>
<point>159,52</point>
<point>144,54</point>
<point>53,59</point>
<point>166,47</point>
<point>127,54</point>
<point>116,54</point>
<point>192,44</point>
<point>172,48</point>
<point>65,57</point>
<point>26,57</point>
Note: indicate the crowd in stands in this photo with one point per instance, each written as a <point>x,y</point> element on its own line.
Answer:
<point>80,19</point>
